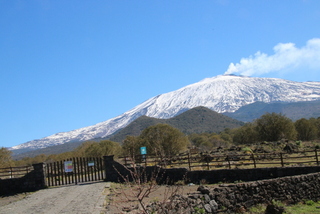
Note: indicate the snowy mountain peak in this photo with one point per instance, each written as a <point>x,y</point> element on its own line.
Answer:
<point>223,93</point>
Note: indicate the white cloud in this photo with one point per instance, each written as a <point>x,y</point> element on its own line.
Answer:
<point>286,58</point>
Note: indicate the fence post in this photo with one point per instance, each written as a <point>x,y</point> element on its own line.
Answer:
<point>189,161</point>
<point>282,163</point>
<point>125,160</point>
<point>317,159</point>
<point>254,161</point>
<point>145,160</point>
<point>228,162</point>
<point>75,171</point>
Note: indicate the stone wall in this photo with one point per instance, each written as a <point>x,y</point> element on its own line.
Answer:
<point>237,198</point>
<point>291,190</point>
<point>288,184</point>
<point>32,181</point>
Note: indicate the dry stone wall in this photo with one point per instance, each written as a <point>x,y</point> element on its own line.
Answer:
<point>291,189</point>
<point>32,181</point>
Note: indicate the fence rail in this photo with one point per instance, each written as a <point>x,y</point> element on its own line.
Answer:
<point>201,161</point>
<point>14,172</point>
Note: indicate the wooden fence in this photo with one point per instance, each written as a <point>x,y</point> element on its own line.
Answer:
<point>74,170</point>
<point>202,161</point>
<point>14,172</point>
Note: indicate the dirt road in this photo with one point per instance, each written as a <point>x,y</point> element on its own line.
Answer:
<point>76,199</point>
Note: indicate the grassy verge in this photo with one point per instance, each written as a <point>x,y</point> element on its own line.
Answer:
<point>304,207</point>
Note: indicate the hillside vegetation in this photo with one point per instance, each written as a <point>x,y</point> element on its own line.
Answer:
<point>294,110</point>
<point>196,120</point>
<point>163,139</point>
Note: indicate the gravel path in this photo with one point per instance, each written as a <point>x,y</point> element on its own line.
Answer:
<point>76,199</point>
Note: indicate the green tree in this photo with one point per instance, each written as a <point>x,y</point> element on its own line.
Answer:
<point>131,145</point>
<point>98,149</point>
<point>227,136</point>
<point>316,123</point>
<point>306,129</point>
<point>163,140</point>
<point>80,151</point>
<point>5,157</point>
<point>246,134</point>
<point>199,139</point>
<point>273,127</point>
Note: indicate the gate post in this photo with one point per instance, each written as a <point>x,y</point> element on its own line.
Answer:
<point>114,171</point>
<point>109,170</point>
<point>40,181</point>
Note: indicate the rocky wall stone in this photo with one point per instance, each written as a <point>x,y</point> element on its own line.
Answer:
<point>32,181</point>
<point>245,195</point>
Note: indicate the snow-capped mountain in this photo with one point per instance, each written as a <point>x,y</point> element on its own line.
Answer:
<point>223,93</point>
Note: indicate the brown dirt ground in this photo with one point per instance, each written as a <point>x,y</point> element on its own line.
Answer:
<point>122,199</point>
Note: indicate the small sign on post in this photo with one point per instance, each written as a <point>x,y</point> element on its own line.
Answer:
<point>143,150</point>
<point>68,167</point>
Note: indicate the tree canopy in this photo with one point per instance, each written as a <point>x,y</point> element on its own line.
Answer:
<point>246,134</point>
<point>99,149</point>
<point>163,140</point>
<point>5,157</point>
<point>306,129</point>
<point>273,127</point>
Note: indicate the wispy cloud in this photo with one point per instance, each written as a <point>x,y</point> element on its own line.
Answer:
<point>286,58</point>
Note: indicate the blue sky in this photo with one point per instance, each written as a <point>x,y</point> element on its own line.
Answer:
<point>65,65</point>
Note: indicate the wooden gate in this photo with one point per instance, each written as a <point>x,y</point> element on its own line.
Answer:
<point>74,171</point>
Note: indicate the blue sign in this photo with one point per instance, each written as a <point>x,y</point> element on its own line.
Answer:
<point>143,150</point>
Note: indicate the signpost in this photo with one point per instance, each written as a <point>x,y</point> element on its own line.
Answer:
<point>143,152</point>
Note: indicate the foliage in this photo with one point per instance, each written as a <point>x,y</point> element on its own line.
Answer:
<point>135,128</point>
<point>306,206</point>
<point>95,149</point>
<point>227,135</point>
<point>163,140</point>
<point>306,129</point>
<point>247,150</point>
<point>51,150</point>
<point>198,210</point>
<point>86,149</point>
<point>196,120</point>
<point>316,123</point>
<point>293,110</point>
<point>246,134</point>
<point>273,127</point>
<point>5,157</point>
<point>206,141</point>
<point>131,145</point>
